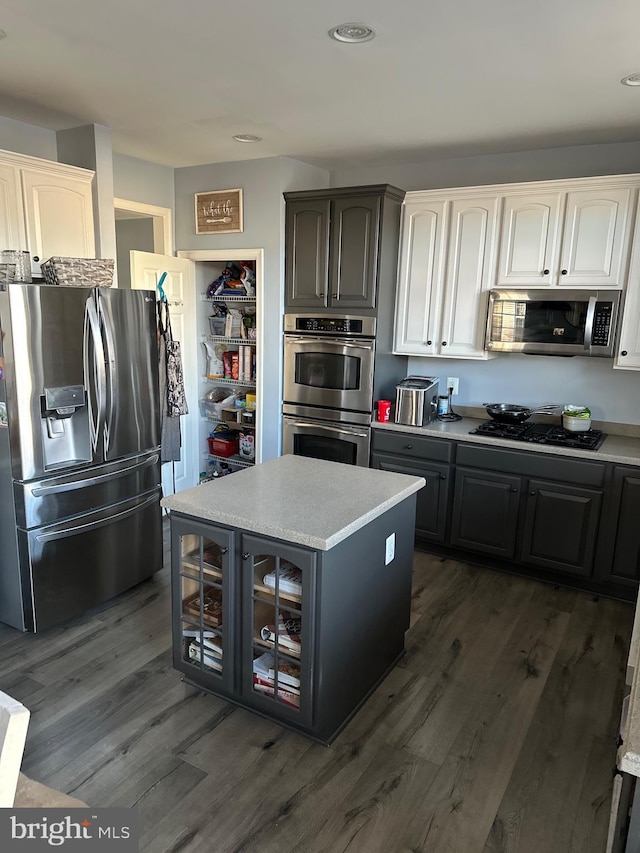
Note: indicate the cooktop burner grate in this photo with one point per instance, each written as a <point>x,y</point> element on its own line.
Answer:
<point>542,434</point>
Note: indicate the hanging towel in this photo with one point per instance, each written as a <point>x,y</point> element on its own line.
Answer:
<point>176,399</point>
<point>170,440</point>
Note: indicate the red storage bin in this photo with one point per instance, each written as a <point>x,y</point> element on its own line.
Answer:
<point>223,446</point>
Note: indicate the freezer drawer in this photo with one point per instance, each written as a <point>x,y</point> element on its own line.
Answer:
<point>47,501</point>
<point>74,565</point>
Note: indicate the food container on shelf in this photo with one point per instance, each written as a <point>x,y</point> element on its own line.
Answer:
<point>223,444</point>
<point>576,418</point>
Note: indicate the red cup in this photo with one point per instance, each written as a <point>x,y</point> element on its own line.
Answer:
<point>384,410</point>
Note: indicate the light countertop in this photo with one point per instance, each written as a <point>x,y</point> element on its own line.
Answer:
<point>615,448</point>
<point>307,501</point>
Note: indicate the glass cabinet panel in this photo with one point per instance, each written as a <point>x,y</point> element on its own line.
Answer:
<point>203,607</point>
<point>277,629</point>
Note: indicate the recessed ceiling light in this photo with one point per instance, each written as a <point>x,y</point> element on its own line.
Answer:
<point>631,79</point>
<point>352,33</point>
<point>247,137</point>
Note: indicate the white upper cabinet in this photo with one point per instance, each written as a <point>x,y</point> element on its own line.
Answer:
<point>46,208</point>
<point>574,238</point>
<point>59,215</point>
<point>628,352</point>
<point>528,247</point>
<point>446,266</point>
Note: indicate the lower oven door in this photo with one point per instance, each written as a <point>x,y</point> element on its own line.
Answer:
<point>331,372</point>
<point>335,442</point>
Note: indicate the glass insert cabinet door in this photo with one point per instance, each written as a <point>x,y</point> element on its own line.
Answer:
<point>203,616</point>
<point>278,627</point>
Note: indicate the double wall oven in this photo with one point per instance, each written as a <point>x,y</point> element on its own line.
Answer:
<point>328,386</point>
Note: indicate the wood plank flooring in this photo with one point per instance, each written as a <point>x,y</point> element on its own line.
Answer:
<point>495,732</point>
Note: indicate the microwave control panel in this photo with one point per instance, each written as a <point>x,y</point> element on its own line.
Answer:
<point>602,324</point>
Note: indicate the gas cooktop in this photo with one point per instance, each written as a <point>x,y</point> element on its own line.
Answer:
<point>542,434</point>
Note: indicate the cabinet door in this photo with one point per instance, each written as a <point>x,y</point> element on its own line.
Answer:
<point>204,620</point>
<point>278,589</point>
<point>353,251</point>
<point>560,527</point>
<point>625,564</point>
<point>595,238</point>
<point>485,512</point>
<point>59,215</point>
<point>420,276</point>
<point>628,356</point>
<point>432,500</point>
<point>306,252</point>
<point>529,240</point>
<point>468,276</point>
<point>11,214</point>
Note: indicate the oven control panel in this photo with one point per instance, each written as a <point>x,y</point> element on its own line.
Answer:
<point>336,325</point>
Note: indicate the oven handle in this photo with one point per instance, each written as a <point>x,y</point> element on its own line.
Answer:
<point>320,427</point>
<point>365,343</point>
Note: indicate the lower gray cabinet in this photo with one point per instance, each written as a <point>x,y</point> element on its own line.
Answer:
<point>560,527</point>
<point>623,526</point>
<point>485,512</point>
<point>432,501</point>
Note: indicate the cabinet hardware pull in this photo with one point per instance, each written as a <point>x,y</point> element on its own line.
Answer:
<point>408,447</point>
<point>443,476</point>
<point>246,556</point>
<point>428,343</point>
<point>533,494</point>
<point>563,272</point>
<point>36,258</point>
<point>545,272</point>
<point>444,343</point>
<point>514,489</point>
<point>334,296</point>
<point>624,352</point>
<point>223,550</point>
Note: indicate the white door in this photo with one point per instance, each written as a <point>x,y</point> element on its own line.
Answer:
<point>180,290</point>
<point>471,240</point>
<point>59,216</point>
<point>595,239</point>
<point>529,240</point>
<point>420,278</point>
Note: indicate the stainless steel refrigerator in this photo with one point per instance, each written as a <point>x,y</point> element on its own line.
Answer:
<point>80,518</point>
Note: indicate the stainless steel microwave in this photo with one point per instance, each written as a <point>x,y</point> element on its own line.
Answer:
<point>553,321</point>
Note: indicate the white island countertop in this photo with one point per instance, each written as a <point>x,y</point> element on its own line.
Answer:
<point>307,501</point>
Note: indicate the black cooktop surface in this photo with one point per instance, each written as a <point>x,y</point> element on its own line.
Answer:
<point>542,434</point>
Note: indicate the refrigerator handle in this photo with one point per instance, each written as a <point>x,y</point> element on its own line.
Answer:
<point>92,525</point>
<point>111,376</point>
<point>94,369</point>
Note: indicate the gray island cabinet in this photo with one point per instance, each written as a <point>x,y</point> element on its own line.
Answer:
<point>291,587</point>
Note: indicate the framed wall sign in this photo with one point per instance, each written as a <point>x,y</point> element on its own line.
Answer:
<point>219,212</point>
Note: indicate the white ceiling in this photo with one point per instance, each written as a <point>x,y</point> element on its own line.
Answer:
<point>175,79</point>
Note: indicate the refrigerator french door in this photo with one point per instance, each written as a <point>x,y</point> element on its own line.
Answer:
<point>79,460</point>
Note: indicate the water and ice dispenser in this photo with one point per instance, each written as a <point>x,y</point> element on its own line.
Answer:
<point>66,436</point>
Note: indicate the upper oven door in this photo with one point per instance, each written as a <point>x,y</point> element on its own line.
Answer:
<point>334,373</point>
<point>553,322</point>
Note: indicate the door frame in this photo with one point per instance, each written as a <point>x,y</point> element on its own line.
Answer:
<point>162,222</point>
<point>256,255</point>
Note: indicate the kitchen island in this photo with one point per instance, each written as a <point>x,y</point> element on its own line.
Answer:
<point>291,587</point>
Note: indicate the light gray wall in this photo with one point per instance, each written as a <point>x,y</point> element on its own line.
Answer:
<point>138,180</point>
<point>263,182</point>
<point>27,139</point>
<point>546,164</point>
<point>131,235</point>
<point>614,395</point>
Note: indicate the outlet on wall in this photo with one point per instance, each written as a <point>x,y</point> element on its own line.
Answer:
<point>452,382</point>
<point>389,548</point>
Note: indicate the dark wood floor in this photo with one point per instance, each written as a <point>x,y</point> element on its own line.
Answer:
<point>496,732</point>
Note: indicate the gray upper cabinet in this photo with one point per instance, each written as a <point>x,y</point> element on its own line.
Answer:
<point>337,244</point>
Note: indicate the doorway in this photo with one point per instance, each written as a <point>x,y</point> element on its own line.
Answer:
<point>140,228</point>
